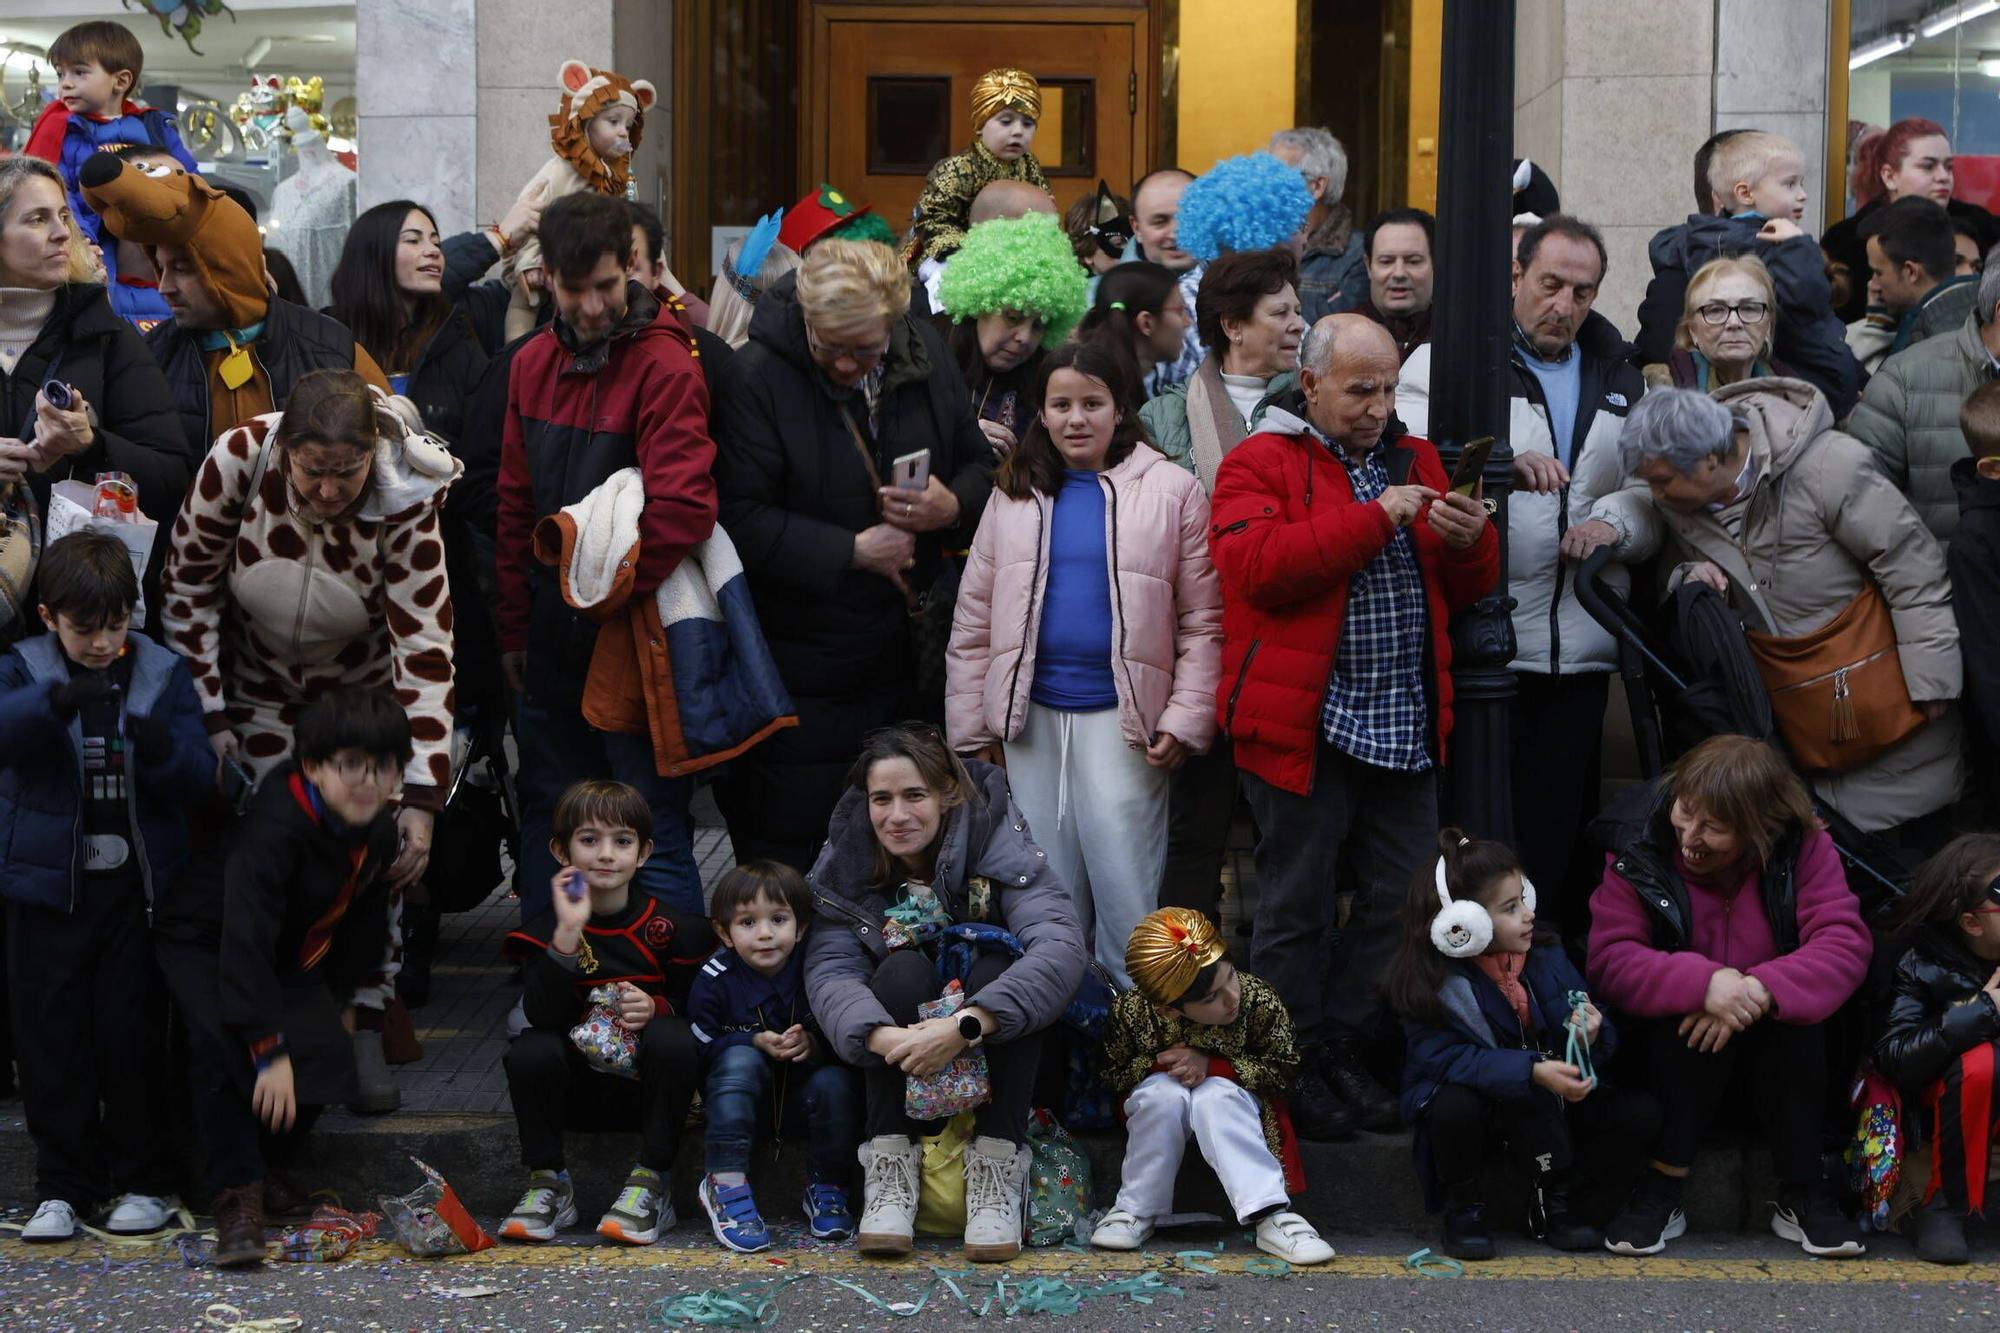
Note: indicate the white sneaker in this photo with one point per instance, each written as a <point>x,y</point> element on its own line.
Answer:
<point>1121,1230</point>
<point>1292,1239</point>
<point>889,1171</point>
<point>996,1194</point>
<point>137,1214</point>
<point>54,1220</point>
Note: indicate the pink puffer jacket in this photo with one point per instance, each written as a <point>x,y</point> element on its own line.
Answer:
<point>1166,610</point>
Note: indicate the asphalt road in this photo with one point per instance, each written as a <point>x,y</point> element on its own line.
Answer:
<point>1737,1284</point>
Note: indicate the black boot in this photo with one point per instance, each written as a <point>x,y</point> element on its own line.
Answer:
<point>1338,1057</point>
<point>1552,1221</point>
<point>1466,1235</point>
<point>1941,1234</point>
<point>1317,1114</point>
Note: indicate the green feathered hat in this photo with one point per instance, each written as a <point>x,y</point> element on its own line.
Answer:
<point>1024,263</point>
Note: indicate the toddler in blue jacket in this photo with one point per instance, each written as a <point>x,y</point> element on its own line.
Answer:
<point>1487,1011</point>
<point>758,1041</point>
<point>101,742</point>
<point>98,66</point>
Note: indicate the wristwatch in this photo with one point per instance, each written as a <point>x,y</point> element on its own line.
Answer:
<point>968,1028</point>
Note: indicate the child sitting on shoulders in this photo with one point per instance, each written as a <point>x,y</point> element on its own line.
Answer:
<point>1937,1044</point>
<point>1006,106</point>
<point>1201,1049</point>
<point>101,744</point>
<point>1487,1021</point>
<point>599,933</point>
<point>748,1011</point>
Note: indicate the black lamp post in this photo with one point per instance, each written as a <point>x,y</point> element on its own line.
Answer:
<point>1471,336</point>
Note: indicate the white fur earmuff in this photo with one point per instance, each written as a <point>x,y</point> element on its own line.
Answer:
<point>1461,929</point>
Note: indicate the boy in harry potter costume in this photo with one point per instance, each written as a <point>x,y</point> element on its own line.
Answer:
<point>1006,108</point>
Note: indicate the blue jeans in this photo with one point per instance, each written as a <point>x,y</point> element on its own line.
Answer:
<point>558,748</point>
<point>734,1100</point>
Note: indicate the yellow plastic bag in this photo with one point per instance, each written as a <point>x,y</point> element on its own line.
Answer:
<point>941,1193</point>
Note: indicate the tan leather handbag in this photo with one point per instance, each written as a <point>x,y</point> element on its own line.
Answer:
<point>1838,693</point>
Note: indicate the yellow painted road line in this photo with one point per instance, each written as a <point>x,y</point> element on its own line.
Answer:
<point>674,1259</point>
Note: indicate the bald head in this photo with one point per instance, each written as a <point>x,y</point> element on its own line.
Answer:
<point>1348,367</point>
<point>1009,199</point>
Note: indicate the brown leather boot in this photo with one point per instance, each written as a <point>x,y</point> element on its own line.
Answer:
<point>239,1226</point>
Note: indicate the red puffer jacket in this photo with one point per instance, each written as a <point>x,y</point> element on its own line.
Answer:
<point>1287,537</point>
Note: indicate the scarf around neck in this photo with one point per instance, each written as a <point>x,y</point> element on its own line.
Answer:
<point>1504,971</point>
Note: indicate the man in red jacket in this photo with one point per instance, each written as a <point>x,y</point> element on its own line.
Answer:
<point>612,382</point>
<point>1342,557</point>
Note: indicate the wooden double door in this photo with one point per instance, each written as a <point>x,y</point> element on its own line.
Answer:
<point>888,92</point>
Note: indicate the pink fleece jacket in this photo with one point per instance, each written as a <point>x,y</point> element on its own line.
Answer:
<point>1729,930</point>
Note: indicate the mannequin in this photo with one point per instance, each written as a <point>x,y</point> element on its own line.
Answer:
<point>312,209</point>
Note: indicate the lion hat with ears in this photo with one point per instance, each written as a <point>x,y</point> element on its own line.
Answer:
<point>586,93</point>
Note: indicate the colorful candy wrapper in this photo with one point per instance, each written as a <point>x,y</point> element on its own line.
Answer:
<point>430,1221</point>
<point>608,1046</point>
<point>960,1085</point>
<point>327,1237</point>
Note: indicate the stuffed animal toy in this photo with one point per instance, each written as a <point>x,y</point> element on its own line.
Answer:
<point>594,132</point>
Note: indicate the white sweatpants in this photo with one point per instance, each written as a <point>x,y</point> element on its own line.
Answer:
<point>1100,812</point>
<point>1227,1123</point>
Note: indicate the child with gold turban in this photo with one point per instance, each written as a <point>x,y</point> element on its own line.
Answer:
<point>1006,107</point>
<point>1202,1049</point>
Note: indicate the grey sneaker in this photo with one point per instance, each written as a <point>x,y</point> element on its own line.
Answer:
<point>889,1168</point>
<point>379,1094</point>
<point>642,1211</point>
<point>547,1207</point>
<point>996,1185</point>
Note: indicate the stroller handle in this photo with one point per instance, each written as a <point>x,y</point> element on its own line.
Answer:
<point>1616,615</point>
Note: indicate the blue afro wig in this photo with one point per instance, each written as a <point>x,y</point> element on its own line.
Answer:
<point>1251,202</point>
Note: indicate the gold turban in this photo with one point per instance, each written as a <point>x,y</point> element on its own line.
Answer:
<point>999,89</point>
<point>1167,949</point>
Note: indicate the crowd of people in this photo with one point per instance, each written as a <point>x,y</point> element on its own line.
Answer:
<point>990,568</point>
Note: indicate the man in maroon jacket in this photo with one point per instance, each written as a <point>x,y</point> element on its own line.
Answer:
<point>613,382</point>
<point>1342,557</point>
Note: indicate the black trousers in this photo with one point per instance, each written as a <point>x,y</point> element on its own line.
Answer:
<point>1201,803</point>
<point>1785,1067</point>
<point>905,980</point>
<point>553,1088</point>
<point>90,1040</point>
<point>1558,740</point>
<point>1604,1134</point>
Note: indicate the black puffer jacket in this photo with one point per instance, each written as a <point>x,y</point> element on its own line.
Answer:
<point>795,493</point>
<point>296,342</point>
<point>1937,1011</point>
<point>138,426</point>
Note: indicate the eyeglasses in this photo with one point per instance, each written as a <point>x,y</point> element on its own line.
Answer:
<point>354,772</point>
<point>835,352</point>
<point>1718,312</point>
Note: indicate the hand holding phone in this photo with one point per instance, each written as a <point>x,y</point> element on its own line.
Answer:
<point>911,472</point>
<point>1471,463</point>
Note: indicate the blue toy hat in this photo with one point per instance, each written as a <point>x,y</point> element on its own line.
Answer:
<point>1251,202</point>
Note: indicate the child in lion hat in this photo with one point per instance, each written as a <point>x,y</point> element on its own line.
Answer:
<point>1006,107</point>
<point>594,132</point>
<point>1199,1048</point>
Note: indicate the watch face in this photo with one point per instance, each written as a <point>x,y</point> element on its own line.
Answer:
<point>968,1028</point>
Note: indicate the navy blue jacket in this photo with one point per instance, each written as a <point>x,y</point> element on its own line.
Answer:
<point>1807,335</point>
<point>731,1002</point>
<point>1484,1048</point>
<point>41,773</point>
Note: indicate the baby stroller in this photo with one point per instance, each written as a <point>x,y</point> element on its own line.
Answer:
<point>1701,682</point>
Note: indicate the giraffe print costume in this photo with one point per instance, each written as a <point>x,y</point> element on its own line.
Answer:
<point>273,608</point>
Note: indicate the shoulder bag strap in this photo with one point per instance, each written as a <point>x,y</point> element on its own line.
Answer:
<point>916,603</point>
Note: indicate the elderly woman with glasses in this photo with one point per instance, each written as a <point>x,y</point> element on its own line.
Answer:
<point>852,475</point>
<point>1726,331</point>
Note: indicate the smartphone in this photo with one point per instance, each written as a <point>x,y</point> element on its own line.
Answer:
<point>236,785</point>
<point>911,472</point>
<point>1471,462</point>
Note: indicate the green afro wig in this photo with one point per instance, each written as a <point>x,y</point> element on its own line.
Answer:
<point>866,227</point>
<point>1024,263</point>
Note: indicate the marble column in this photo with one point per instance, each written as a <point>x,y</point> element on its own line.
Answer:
<point>416,67</point>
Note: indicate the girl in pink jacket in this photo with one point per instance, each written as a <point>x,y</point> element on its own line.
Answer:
<point>1088,639</point>
<point>1725,918</point>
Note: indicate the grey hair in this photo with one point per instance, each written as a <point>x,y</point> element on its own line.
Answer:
<point>1680,427</point>
<point>1320,154</point>
<point>1989,292</point>
<point>1316,352</point>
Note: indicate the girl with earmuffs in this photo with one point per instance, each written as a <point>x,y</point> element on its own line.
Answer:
<point>1502,1040</point>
